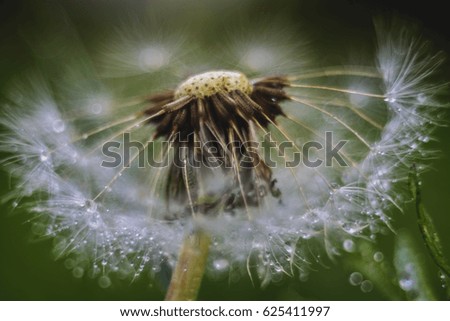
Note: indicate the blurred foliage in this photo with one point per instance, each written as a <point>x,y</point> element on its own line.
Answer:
<point>28,270</point>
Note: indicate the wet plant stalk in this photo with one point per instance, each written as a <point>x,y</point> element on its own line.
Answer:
<point>427,227</point>
<point>188,274</point>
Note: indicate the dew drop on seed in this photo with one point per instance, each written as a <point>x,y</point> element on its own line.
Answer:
<point>366,286</point>
<point>58,126</point>
<point>355,278</point>
<point>104,282</point>
<point>14,204</point>
<point>424,139</point>
<point>421,98</point>
<point>104,262</point>
<point>288,249</point>
<point>44,156</point>
<point>390,99</point>
<point>349,245</point>
<point>90,206</point>
<point>334,185</point>
<point>221,264</point>
<point>378,257</point>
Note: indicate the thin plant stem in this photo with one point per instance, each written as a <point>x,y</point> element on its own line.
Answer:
<point>188,274</point>
<point>427,227</point>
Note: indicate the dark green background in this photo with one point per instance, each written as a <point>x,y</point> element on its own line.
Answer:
<point>28,270</point>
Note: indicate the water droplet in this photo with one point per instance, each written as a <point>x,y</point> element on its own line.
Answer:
<point>44,156</point>
<point>366,286</point>
<point>425,139</point>
<point>15,204</point>
<point>349,245</point>
<point>221,264</point>
<point>390,99</point>
<point>84,136</point>
<point>443,279</point>
<point>58,126</point>
<point>104,282</point>
<point>421,98</point>
<point>355,278</point>
<point>104,262</point>
<point>90,206</point>
<point>334,185</point>
<point>378,257</point>
<point>278,269</point>
<point>407,284</point>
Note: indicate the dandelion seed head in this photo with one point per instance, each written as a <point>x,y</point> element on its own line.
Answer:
<point>212,82</point>
<point>265,222</point>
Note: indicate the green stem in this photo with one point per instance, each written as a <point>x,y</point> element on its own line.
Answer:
<point>190,268</point>
<point>427,227</point>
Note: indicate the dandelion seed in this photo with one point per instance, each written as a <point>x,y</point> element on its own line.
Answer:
<point>265,166</point>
